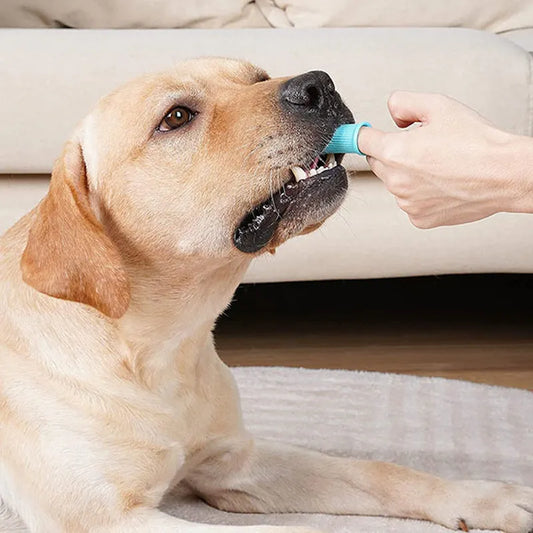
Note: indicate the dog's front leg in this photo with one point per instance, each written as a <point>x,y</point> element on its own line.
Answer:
<point>263,476</point>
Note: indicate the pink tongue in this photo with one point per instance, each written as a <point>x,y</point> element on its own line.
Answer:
<point>315,163</point>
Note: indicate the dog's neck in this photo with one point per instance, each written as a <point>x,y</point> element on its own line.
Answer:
<point>177,300</point>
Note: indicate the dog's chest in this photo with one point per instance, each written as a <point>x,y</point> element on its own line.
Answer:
<point>180,419</point>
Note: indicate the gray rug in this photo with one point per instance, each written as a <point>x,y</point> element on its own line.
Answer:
<point>452,428</point>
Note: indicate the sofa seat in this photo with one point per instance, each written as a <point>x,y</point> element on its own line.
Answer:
<point>368,238</point>
<point>522,37</point>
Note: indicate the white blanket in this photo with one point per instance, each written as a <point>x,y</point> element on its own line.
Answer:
<point>452,428</point>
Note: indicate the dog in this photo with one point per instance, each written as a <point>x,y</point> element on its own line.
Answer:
<point>111,391</point>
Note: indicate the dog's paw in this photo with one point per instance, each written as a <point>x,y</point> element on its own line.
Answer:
<point>488,505</point>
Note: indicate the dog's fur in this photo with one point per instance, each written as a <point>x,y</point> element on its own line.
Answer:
<point>111,391</point>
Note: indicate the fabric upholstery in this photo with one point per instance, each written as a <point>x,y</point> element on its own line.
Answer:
<point>523,38</point>
<point>491,15</point>
<point>368,238</point>
<point>130,14</point>
<point>451,428</point>
<point>43,98</point>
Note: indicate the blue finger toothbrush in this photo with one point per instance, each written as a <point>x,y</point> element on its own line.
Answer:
<point>344,140</point>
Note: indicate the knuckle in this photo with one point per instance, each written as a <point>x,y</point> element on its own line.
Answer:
<point>403,203</point>
<point>393,100</point>
<point>415,211</point>
<point>396,190</point>
<point>415,221</point>
<point>420,222</point>
<point>397,186</point>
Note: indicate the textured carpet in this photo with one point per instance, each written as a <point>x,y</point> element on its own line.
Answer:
<point>452,428</point>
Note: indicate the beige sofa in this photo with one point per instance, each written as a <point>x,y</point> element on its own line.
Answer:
<point>51,77</point>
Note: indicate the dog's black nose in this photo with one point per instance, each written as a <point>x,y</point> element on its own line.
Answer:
<point>311,92</point>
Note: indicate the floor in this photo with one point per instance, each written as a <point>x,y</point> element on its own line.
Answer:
<point>473,327</point>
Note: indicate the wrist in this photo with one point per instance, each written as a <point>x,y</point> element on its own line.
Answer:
<point>520,182</point>
<point>514,166</point>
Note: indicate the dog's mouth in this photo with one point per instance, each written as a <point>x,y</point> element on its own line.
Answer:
<point>312,194</point>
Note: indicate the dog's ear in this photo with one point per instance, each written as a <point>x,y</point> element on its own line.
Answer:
<point>68,254</point>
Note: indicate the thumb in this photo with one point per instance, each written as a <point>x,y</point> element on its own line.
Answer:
<point>407,107</point>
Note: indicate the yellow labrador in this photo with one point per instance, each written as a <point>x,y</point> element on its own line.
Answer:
<point>111,391</point>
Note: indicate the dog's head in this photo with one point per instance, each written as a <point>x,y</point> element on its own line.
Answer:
<point>212,160</point>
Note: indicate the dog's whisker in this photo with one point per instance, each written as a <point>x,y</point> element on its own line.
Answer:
<point>348,225</point>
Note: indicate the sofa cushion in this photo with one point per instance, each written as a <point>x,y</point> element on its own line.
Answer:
<point>523,38</point>
<point>492,15</point>
<point>370,237</point>
<point>366,65</point>
<point>130,14</point>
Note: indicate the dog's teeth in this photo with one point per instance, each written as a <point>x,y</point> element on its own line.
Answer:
<point>299,173</point>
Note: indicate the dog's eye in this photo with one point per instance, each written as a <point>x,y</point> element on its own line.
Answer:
<point>176,118</point>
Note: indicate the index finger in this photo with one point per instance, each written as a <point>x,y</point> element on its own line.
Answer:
<point>371,142</point>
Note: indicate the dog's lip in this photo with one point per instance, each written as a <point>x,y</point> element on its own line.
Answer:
<point>257,228</point>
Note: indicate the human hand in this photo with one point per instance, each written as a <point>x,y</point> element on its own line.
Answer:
<point>454,168</point>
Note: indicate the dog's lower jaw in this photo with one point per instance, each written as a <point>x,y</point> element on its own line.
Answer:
<point>296,208</point>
